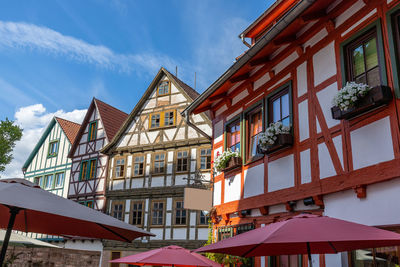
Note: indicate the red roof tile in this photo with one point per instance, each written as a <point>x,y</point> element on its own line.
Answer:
<point>70,128</point>
<point>111,117</point>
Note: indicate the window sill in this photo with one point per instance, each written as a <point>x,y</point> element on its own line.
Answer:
<point>118,178</point>
<point>138,176</point>
<point>179,225</point>
<point>157,225</point>
<point>52,156</point>
<point>254,159</point>
<point>158,174</point>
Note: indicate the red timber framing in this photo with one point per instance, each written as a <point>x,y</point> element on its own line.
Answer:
<point>314,29</point>
<point>88,187</point>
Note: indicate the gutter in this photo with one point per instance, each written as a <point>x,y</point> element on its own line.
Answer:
<point>287,19</point>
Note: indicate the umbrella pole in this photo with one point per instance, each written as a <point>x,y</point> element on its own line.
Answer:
<point>13,211</point>
<point>309,254</point>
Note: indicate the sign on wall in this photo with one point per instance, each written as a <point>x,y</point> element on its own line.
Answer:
<point>197,199</point>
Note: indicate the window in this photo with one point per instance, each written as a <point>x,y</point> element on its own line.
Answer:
<point>163,119</point>
<point>59,179</point>
<point>119,168</point>
<point>233,135</point>
<point>53,149</point>
<point>203,218</point>
<point>137,213</point>
<point>138,166</point>
<point>92,169</point>
<point>49,181</point>
<point>155,120</point>
<point>205,159</point>
<point>254,128</point>
<point>92,131</point>
<point>38,181</point>
<point>163,88</point>
<point>180,213</point>
<point>87,203</point>
<point>157,213</point>
<point>182,161</point>
<point>118,210</point>
<point>362,60</point>
<point>169,118</point>
<point>279,107</point>
<point>115,255</point>
<point>159,163</point>
<point>88,169</point>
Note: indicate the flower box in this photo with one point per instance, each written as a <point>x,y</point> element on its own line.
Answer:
<point>233,163</point>
<point>375,98</point>
<point>282,141</point>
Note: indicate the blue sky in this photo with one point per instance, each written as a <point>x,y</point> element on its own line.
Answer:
<point>56,55</point>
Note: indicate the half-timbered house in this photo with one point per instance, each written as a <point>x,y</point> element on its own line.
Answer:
<point>153,157</point>
<point>340,163</point>
<point>89,166</point>
<point>48,165</point>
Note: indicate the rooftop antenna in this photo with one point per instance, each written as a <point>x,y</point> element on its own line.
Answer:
<point>194,80</point>
<point>176,71</point>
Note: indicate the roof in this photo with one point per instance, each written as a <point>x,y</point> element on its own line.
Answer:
<point>274,31</point>
<point>70,128</point>
<point>190,93</point>
<point>193,94</point>
<point>111,118</point>
<point>268,17</point>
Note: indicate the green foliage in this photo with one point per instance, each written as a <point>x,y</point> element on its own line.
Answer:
<point>223,258</point>
<point>9,134</point>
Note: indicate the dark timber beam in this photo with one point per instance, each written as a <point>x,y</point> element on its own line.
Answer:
<point>218,96</point>
<point>285,40</point>
<point>259,61</point>
<point>313,16</point>
<point>240,78</point>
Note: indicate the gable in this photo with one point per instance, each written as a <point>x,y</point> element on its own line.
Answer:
<point>39,157</point>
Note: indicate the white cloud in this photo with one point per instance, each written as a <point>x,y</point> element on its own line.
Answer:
<point>34,120</point>
<point>24,35</point>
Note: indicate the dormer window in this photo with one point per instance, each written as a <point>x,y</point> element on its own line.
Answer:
<point>163,88</point>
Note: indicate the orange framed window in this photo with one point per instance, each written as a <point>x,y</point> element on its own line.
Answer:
<point>162,119</point>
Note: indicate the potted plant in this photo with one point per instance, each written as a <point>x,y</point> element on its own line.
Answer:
<point>275,137</point>
<point>228,160</point>
<point>355,99</point>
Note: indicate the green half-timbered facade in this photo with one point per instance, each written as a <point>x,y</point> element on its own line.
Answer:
<point>48,164</point>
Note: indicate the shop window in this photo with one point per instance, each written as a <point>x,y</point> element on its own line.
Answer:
<point>182,160</point>
<point>180,213</point>
<point>53,149</point>
<point>92,131</point>
<point>205,159</point>
<point>163,88</point>
<point>157,213</point>
<point>279,107</point>
<point>138,166</point>
<point>233,135</point>
<point>137,213</point>
<point>159,163</point>
<point>362,59</point>
<point>254,126</point>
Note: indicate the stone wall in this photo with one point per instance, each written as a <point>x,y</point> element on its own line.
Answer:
<point>52,257</point>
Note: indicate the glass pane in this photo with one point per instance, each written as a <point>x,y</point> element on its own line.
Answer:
<point>371,54</point>
<point>358,61</point>
<point>373,77</point>
<point>286,121</point>
<point>285,105</point>
<point>276,105</point>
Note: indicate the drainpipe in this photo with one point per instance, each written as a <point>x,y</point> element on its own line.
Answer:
<point>244,41</point>
<point>186,116</point>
